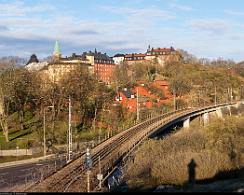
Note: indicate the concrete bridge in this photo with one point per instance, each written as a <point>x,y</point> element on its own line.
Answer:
<point>204,114</point>
<point>109,154</point>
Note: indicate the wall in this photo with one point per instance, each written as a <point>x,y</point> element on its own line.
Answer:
<point>20,152</point>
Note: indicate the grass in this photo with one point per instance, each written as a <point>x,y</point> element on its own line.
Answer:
<point>215,148</point>
<point>14,158</point>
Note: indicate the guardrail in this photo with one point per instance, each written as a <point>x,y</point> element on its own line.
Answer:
<point>160,120</point>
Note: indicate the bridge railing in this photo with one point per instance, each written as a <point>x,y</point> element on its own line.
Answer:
<point>159,121</point>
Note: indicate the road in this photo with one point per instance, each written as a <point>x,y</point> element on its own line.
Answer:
<point>22,174</point>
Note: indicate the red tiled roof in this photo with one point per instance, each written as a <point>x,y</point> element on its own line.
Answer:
<point>135,55</point>
<point>143,91</point>
<point>161,50</point>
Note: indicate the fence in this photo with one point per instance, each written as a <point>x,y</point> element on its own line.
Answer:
<point>20,152</point>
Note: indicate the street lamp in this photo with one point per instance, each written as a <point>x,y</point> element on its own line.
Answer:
<point>137,106</point>
<point>17,154</point>
<point>88,162</point>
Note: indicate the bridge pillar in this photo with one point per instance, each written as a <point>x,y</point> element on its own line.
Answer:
<point>205,117</point>
<point>219,113</point>
<point>186,123</point>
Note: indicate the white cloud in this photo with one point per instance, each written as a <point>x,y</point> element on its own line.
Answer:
<point>212,26</point>
<point>234,13</point>
<point>18,9</point>
<point>33,30</point>
<point>181,7</point>
<point>150,12</point>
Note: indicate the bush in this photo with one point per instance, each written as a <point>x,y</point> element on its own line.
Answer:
<point>215,148</point>
<point>173,169</point>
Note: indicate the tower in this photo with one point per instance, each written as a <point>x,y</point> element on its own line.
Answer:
<point>56,51</point>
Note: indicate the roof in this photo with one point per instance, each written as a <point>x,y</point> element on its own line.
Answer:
<point>75,57</point>
<point>127,93</point>
<point>119,55</point>
<point>162,49</point>
<point>135,55</point>
<point>57,50</point>
<point>33,59</point>
<point>98,55</point>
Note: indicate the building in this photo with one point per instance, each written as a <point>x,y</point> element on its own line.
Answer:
<point>103,65</point>
<point>134,57</point>
<point>56,52</point>
<point>98,64</point>
<point>127,98</point>
<point>34,65</point>
<point>149,96</point>
<point>118,58</point>
<point>163,55</point>
<point>61,66</point>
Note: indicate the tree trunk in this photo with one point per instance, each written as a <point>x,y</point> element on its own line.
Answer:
<point>53,118</point>
<point>4,125</point>
<point>21,119</point>
<point>94,120</point>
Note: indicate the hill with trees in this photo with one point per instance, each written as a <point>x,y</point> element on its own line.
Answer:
<point>24,96</point>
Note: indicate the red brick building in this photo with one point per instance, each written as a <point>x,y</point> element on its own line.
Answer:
<point>127,98</point>
<point>103,65</point>
<point>146,99</point>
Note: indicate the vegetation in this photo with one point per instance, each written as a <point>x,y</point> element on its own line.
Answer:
<point>215,148</point>
<point>24,96</point>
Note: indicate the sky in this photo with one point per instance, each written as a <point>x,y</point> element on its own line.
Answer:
<point>205,28</point>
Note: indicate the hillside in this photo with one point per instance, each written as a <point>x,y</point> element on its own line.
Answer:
<point>216,150</point>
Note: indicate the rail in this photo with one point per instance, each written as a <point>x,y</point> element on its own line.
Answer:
<point>73,178</point>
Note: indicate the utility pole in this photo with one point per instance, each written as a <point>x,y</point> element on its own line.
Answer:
<point>88,162</point>
<point>215,95</point>
<point>69,133</point>
<point>137,106</point>
<point>100,175</point>
<point>99,137</point>
<point>88,181</point>
<point>231,94</point>
<point>44,133</point>
<point>240,91</point>
<point>174,99</point>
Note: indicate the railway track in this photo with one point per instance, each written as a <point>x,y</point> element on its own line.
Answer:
<point>72,178</point>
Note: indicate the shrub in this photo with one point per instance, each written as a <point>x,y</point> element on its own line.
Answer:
<point>215,148</point>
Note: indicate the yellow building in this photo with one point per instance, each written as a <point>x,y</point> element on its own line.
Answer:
<point>59,66</point>
<point>163,55</point>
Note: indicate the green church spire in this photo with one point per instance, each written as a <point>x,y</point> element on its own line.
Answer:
<point>57,51</point>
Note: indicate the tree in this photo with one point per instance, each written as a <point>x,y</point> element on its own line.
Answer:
<point>146,70</point>
<point>122,75</point>
<point>6,98</point>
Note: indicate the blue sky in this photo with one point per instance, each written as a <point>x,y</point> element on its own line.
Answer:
<point>205,28</point>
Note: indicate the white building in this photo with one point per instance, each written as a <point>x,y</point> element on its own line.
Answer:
<point>34,65</point>
<point>118,58</point>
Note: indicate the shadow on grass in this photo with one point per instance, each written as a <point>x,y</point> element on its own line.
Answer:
<point>223,175</point>
<point>21,135</point>
<point>188,186</point>
<point>13,132</point>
